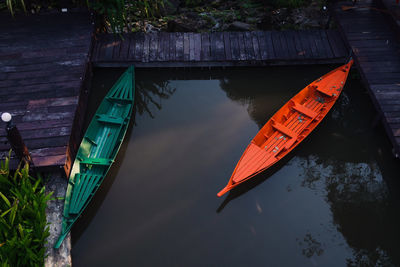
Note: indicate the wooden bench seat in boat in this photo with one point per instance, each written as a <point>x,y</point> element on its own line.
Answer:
<point>304,110</point>
<point>326,90</point>
<point>97,161</point>
<point>283,129</point>
<point>109,119</point>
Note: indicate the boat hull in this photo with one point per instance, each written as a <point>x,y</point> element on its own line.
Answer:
<point>98,149</point>
<point>289,126</point>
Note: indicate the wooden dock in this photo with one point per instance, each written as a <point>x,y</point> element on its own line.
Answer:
<point>43,61</point>
<point>368,30</point>
<point>220,49</point>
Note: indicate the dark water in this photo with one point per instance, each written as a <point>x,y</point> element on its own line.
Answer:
<point>333,202</point>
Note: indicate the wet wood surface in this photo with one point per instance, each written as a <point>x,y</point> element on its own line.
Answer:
<point>219,49</point>
<point>368,31</point>
<point>43,61</point>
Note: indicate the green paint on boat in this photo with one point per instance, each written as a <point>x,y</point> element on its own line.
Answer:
<point>98,149</point>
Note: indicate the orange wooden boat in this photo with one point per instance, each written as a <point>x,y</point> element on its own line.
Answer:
<point>289,126</point>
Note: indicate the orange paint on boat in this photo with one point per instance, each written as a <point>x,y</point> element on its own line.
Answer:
<point>289,126</point>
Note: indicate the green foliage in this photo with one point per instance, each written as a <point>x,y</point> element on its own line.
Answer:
<point>285,3</point>
<point>12,4</point>
<point>290,3</point>
<point>192,2</point>
<point>23,225</point>
<point>113,11</point>
<point>117,12</point>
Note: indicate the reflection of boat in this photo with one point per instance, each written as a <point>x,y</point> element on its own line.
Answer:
<point>98,149</point>
<point>289,126</point>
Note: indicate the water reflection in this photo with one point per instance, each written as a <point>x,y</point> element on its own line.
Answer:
<point>326,204</point>
<point>310,246</point>
<point>151,93</point>
<point>351,182</point>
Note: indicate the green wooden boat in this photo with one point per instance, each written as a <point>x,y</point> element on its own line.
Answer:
<point>98,149</point>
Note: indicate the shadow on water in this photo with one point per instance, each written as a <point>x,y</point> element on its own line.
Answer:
<point>148,94</point>
<point>253,182</point>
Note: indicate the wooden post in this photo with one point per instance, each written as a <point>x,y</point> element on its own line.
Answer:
<point>15,140</point>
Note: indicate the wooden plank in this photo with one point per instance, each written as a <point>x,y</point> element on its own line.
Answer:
<point>139,46</point>
<point>117,48</point>
<point>42,133</point>
<point>219,46</point>
<point>179,46</point>
<point>153,46</point>
<point>186,47</point>
<point>127,48</point>
<point>262,45</point>
<point>205,47</point>
<point>311,43</point>
<point>291,49</point>
<point>270,46</point>
<point>52,102</point>
<point>242,46</point>
<point>380,88</point>
<point>366,35</point>
<point>234,40</point>
<point>161,47</point>
<point>249,46</point>
<point>325,44</point>
<point>39,67</point>
<point>256,45</point>
<point>213,46</point>
<point>48,151</point>
<point>108,48</point>
<point>386,43</point>
<point>55,70</point>
<point>39,90</point>
<point>227,46</point>
<point>166,46</point>
<point>40,80</point>
<point>300,51</point>
<point>172,47</point>
<point>35,125</point>
<point>384,78</point>
<point>336,43</point>
<point>321,53</point>
<point>146,48</point>
<point>191,46</point>
<point>369,67</point>
<point>278,48</point>
<point>197,46</point>
<point>49,160</point>
<point>41,142</point>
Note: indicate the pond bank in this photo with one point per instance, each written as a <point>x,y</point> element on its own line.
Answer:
<point>61,257</point>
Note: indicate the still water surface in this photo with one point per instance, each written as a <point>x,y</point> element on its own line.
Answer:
<point>333,202</point>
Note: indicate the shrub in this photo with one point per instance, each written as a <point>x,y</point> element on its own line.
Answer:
<point>117,12</point>
<point>23,225</point>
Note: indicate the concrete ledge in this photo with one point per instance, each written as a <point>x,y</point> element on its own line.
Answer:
<point>56,257</point>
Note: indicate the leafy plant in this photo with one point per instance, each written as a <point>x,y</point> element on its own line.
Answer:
<point>112,11</point>
<point>290,3</point>
<point>23,224</point>
<point>11,4</point>
<point>116,13</point>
